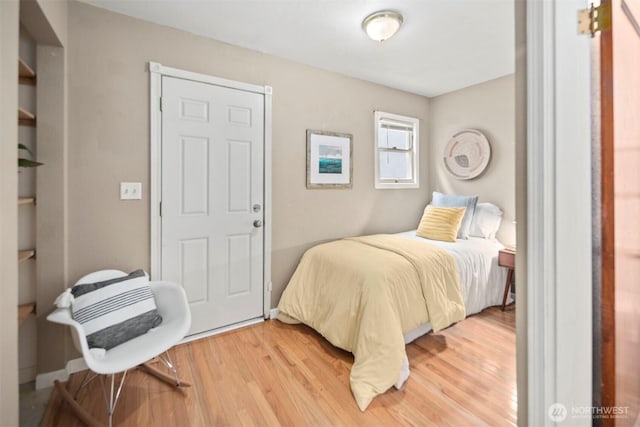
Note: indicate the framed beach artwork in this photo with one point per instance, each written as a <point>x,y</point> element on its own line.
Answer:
<point>329,162</point>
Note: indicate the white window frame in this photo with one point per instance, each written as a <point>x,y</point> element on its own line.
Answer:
<point>414,124</point>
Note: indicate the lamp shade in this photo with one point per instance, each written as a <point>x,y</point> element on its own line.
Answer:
<point>381,25</point>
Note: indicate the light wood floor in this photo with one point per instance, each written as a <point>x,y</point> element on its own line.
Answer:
<point>275,374</point>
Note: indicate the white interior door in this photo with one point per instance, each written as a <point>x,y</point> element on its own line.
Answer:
<point>212,199</point>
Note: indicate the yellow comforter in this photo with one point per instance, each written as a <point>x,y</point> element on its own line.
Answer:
<point>364,293</point>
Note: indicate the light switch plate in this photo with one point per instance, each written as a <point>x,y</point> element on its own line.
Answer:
<point>130,191</point>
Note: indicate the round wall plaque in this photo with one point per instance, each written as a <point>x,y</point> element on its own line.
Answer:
<point>467,154</point>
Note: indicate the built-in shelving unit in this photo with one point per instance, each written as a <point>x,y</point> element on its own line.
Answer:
<point>26,76</point>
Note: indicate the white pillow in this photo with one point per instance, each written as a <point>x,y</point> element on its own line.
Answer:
<point>115,311</point>
<point>486,221</point>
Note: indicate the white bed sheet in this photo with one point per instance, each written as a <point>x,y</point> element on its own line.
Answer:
<point>481,279</point>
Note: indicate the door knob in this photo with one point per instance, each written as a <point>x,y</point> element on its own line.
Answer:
<point>257,223</point>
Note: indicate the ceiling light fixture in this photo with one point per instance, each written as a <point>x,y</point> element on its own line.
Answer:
<point>382,25</point>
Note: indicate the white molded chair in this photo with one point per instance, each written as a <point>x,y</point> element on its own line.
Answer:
<point>172,305</point>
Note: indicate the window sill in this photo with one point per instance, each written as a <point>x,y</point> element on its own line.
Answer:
<point>396,186</point>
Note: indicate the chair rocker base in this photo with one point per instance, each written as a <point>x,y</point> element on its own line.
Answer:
<point>89,419</point>
<point>175,382</point>
<point>78,410</point>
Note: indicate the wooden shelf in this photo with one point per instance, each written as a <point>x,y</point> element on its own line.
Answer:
<point>25,255</point>
<point>24,114</point>
<point>25,310</point>
<point>26,118</point>
<point>26,75</point>
<point>26,201</point>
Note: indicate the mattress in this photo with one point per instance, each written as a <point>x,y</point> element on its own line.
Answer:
<point>481,279</point>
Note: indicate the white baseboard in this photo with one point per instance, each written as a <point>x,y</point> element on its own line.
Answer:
<point>46,380</point>
<point>221,330</point>
<point>76,365</point>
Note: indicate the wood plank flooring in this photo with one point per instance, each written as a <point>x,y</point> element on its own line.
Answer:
<point>273,374</point>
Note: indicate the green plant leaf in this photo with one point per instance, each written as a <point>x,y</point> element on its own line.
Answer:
<point>26,163</point>
<point>24,147</point>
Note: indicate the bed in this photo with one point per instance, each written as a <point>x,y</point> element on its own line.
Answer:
<point>372,295</point>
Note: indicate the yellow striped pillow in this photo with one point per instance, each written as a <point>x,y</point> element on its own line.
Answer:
<point>440,223</point>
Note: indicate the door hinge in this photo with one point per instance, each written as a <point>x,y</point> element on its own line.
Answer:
<point>160,103</point>
<point>594,19</point>
<point>160,209</point>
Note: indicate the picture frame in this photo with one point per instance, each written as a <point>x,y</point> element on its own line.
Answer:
<point>329,160</point>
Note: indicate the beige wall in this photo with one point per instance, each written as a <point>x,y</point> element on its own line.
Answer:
<point>46,20</point>
<point>51,210</point>
<point>109,141</point>
<point>55,13</point>
<point>8,212</point>
<point>490,108</point>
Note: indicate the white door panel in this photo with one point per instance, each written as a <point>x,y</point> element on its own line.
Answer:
<point>212,177</point>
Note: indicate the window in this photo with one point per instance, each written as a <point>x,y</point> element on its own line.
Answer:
<point>396,151</point>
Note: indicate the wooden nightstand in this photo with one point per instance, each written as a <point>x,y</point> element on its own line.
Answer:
<point>507,258</point>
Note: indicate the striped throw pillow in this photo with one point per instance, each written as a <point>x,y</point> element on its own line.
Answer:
<point>115,311</point>
<point>440,223</point>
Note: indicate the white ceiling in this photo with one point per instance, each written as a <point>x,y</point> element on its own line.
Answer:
<point>443,45</point>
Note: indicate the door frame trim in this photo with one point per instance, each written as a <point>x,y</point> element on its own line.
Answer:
<point>156,72</point>
<point>558,193</point>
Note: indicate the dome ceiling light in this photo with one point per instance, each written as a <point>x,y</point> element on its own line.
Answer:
<point>382,25</point>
